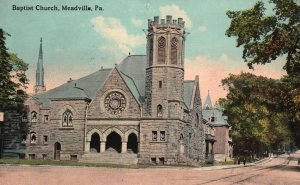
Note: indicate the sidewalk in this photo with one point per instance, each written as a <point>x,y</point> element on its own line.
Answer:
<point>234,165</point>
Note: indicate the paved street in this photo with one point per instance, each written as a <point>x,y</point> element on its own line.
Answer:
<point>280,170</point>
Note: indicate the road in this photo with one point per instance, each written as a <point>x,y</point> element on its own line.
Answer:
<point>281,170</point>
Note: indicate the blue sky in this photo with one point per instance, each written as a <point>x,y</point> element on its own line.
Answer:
<point>78,43</point>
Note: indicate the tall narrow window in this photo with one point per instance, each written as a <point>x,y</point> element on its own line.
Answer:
<point>174,44</point>
<point>154,135</point>
<point>67,119</point>
<point>197,120</point>
<point>212,118</point>
<point>162,135</point>
<point>33,138</point>
<point>23,138</point>
<point>24,117</point>
<point>160,84</point>
<point>159,111</point>
<point>45,141</point>
<point>46,118</point>
<point>161,50</point>
<point>151,52</point>
<point>33,116</point>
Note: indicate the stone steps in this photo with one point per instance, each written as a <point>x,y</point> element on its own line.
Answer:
<point>110,157</point>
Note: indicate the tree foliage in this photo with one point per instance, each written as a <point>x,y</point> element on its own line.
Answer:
<point>254,106</point>
<point>265,37</point>
<point>13,79</point>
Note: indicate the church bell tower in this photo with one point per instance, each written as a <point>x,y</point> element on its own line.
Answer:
<point>39,84</point>
<point>165,68</point>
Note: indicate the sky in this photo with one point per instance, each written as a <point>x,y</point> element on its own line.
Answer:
<point>77,43</point>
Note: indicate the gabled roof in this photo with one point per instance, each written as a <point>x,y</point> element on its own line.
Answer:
<point>207,103</point>
<point>132,87</point>
<point>134,66</point>
<point>85,87</point>
<point>219,118</point>
<point>131,69</point>
<point>188,92</point>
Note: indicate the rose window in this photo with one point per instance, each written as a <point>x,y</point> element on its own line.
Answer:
<point>115,102</point>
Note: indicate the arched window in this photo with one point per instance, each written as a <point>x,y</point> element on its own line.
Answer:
<point>159,111</point>
<point>33,138</point>
<point>161,50</point>
<point>23,138</point>
<point>24,117</point>
<point>174,43</point>
<point>151,52</point>
<point>67,119</point>
<point>207,107</point>
<point>197,119</point>
<point>33,116</point>
<point>213,118</point>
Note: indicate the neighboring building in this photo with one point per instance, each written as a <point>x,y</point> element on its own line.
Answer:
<point>140,111</point>
<point>222,146</point>
<point>209,130</point>
<point>39,84</point>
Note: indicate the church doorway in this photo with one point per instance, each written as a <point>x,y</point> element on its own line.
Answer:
<point>95,143</point>
<point>113,142</point>
<point>132,145</point>
<point>57,149</point>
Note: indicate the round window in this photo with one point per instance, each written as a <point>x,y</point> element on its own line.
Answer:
<point>115,102</point>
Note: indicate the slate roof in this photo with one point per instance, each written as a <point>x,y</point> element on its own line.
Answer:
<point>85,87</point>
<point>188,92</point>
<point>134,66</point>
<point>132,87</point>
<point>207,102</point>
<point>131,69</point>
<point>219,118</point>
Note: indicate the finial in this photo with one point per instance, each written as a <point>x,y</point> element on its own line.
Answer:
<point>41,40</point>
<point>208,92</point>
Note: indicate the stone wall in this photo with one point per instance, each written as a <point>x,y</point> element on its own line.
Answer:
<point>71,138</point>
<point>166,149</point>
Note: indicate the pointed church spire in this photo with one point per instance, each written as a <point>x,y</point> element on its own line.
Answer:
<point>207,104</point>
<point>39,83</point>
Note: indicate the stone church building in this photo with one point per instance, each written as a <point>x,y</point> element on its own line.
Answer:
<point>140,111</point>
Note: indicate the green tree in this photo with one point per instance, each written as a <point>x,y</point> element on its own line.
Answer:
<point>254,109</point>
<point>266,37</point>
<point>13,79</point>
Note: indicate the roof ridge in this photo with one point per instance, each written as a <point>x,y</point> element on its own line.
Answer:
<point>137,55</point>
<point>189,81</point>
<point>131,80</point>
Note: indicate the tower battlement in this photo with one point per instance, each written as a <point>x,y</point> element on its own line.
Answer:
<point>176,23</point>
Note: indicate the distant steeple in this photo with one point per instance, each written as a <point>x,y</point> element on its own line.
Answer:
<point>39,83</point>
<point>207,104</point>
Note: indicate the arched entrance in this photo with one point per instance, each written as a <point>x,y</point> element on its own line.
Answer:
<point>57,149</point>
<point>132,145</point>
<point>95,143</point>
<point>113,142</point>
